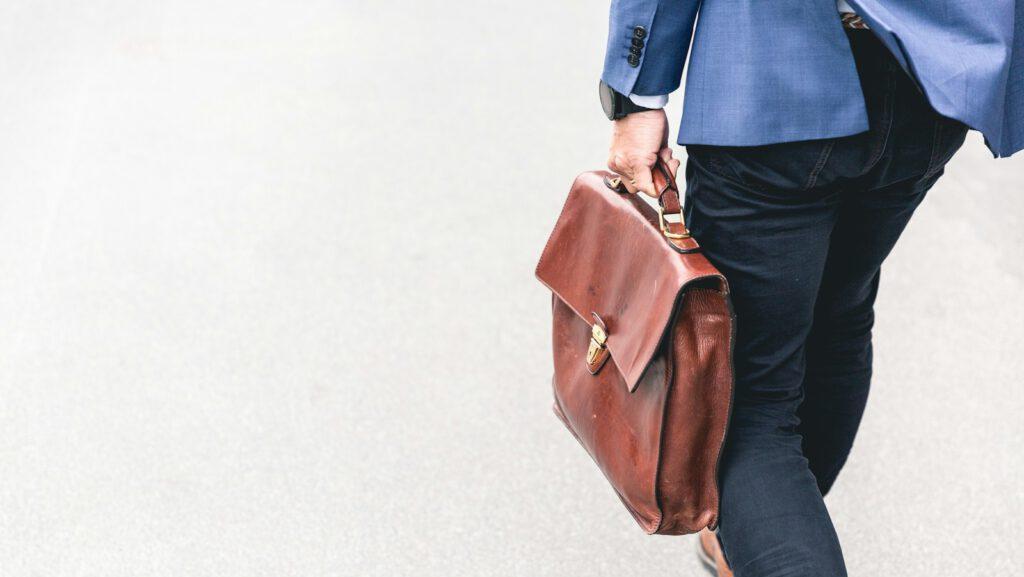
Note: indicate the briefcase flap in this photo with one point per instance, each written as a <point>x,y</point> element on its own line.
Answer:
<point>607,255</point>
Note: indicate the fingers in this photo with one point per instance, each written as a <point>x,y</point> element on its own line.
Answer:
<point>637,140</point>
<point>635,171</point>
<point>644,179</point>
<point>666,155</point>
<point>617,163</point>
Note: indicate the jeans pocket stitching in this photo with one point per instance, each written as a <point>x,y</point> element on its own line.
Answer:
<point>713,162</point>
<point>826,153</point>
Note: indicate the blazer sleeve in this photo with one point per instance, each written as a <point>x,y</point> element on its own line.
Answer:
<point>660,30</point>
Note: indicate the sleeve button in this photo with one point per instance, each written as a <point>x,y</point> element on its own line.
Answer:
<point>634,61</point>
<point>639,32</point>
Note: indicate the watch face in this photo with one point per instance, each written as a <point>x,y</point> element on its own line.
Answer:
<point>607,100</point>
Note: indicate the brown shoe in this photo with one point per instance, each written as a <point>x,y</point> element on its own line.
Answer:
<point>710,554</point>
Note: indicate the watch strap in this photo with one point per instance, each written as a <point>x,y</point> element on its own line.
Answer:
<point>627,106</point>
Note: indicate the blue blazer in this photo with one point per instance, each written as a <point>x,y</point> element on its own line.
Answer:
<point>766,72</point>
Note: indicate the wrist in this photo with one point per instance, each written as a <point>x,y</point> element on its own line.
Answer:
<point>654,120</point>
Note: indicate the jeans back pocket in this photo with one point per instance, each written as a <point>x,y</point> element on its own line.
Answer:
<point>786,166</point>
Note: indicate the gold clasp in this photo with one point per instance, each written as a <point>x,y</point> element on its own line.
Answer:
<point>664,225</point>
<point>598,338</point>
<point>597,353</point>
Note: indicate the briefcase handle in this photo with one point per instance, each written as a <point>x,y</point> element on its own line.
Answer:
<point>669,205</point>
<point>668,202</point>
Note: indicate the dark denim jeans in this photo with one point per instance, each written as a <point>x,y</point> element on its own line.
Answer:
<point>800,230</point>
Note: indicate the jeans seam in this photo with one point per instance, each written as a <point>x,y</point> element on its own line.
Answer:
<point>812,178</point>
<point>888,114</point>
<point>933,160</point>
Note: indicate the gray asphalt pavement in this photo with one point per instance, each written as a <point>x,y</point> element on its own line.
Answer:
<point>268,308</point>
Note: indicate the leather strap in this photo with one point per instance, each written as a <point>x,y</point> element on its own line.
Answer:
<point>666,189</point>
<point>670,207</point>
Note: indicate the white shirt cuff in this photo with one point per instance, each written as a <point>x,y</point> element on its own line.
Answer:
<point>656,101</point>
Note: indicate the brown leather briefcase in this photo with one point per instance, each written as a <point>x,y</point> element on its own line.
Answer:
<point>631,286</point>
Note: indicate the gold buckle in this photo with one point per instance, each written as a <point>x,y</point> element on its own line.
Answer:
<point>664,225</point>
<point>598,338</point>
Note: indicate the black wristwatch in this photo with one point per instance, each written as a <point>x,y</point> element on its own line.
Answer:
<point>615,104</point>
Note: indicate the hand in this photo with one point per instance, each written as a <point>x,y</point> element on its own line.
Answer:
<point>638,140</point>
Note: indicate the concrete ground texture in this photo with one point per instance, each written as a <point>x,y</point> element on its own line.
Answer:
<point>268,306</point>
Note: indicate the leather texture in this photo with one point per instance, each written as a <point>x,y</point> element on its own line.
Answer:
<point>654,418</point>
